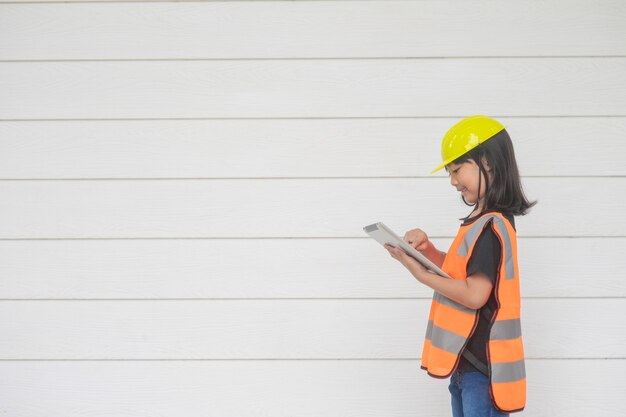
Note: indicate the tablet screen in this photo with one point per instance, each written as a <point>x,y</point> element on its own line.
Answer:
<point>383,234</point>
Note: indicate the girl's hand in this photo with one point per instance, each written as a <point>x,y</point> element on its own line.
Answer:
<point>417,238</point>
<point>406,260</point>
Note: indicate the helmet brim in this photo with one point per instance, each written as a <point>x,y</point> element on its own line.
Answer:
<point>439,167</point>
<point>445,163</point>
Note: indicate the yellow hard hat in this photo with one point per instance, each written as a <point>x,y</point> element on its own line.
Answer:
<point>465,136</point>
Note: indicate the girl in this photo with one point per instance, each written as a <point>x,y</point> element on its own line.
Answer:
<point>474,332</point>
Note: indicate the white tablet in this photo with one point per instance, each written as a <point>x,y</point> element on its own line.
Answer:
<point>383,234</point>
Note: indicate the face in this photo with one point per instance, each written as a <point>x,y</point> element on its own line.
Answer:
<point>464,177</point>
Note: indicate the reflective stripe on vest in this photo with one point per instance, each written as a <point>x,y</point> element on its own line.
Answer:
<point>451,324</point>
<point>472,234</point>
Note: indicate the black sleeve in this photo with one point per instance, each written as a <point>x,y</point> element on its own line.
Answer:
<point>486,255</point>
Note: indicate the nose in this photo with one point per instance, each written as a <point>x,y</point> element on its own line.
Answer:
<point>453,181</point>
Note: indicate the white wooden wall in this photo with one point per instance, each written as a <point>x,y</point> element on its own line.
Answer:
<point>184,185</point>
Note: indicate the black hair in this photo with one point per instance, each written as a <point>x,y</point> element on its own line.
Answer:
<point>505,194</point>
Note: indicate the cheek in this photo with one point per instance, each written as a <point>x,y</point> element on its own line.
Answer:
<point>471,180</point>
<point>472,186</point>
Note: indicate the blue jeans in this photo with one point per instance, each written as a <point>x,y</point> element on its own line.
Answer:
<point>470,395</point>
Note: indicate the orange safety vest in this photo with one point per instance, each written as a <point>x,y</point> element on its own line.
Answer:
<point>450,324</point>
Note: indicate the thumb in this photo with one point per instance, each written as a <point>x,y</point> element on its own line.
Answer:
<point>423,245</point>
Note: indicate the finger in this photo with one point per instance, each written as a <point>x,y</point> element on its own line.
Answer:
<point>392,250</point>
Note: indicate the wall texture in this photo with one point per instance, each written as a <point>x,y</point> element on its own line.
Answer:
<point>184,185</point>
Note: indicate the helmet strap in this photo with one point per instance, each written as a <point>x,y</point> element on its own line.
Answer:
<point>466,203</point>
<point>481,170</point>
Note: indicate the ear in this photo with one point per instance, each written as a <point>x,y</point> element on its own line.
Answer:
<point>486,164</point>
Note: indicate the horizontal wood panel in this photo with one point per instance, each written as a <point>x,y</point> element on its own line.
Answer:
<point>338,116</point>
<point>282,329</point>
<point>289,207</point>
<point>292,147</point>
<point>280,268</point>
<point>297,29</point>
<point>303,388</point>
<point>317,88</point>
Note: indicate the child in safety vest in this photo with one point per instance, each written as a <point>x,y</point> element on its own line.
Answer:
<point>474,332</point>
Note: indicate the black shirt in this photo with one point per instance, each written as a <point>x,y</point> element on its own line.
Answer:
<point>486,259</point>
